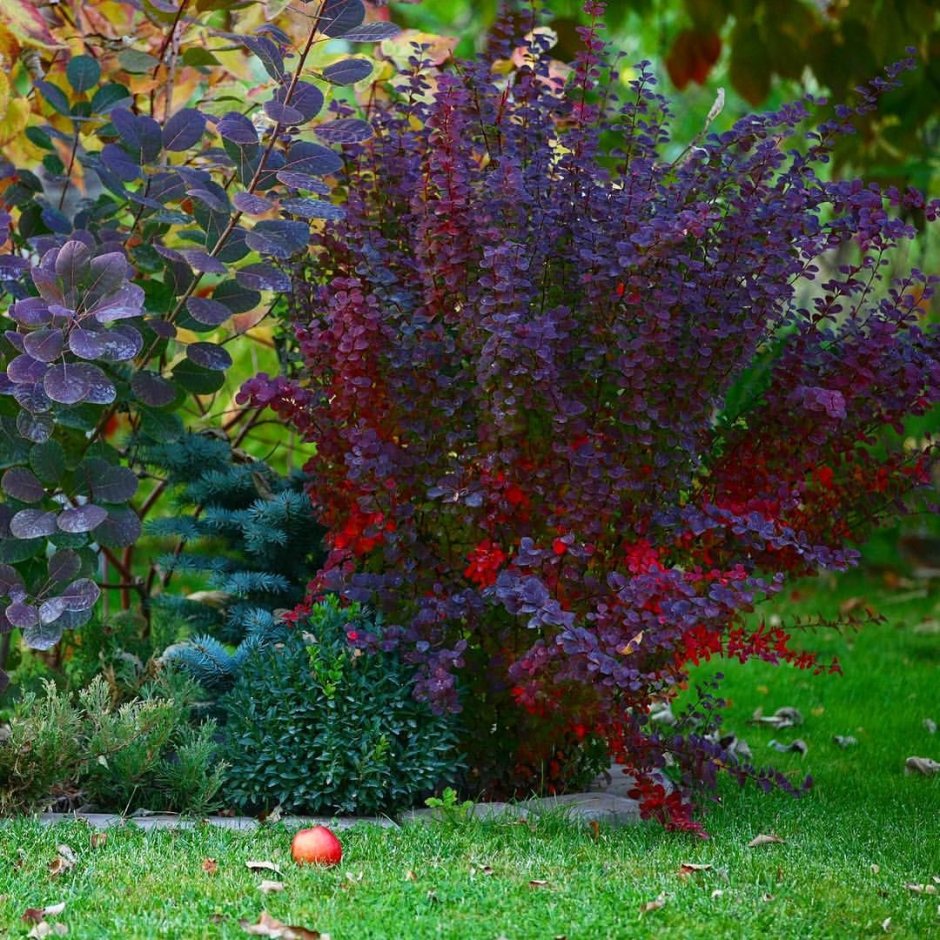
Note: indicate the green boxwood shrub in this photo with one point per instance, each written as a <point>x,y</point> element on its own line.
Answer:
<point>315,726</point>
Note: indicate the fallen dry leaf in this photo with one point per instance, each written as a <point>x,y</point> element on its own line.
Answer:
<point>210,866</point>
<point>844,740</point>
<point>263,866</point>
<point>930,726</point>
<point>818,711</point>
<point>686,869</point>
<point>875,868</point>
<point>98,839</point>
<point>271,818</point>
<point>785,717</point>
<point>920,889</point>
<point>886,924</point>
<point>717,893</point>
<point>921,765</point>
<point>799,746</point>
<point>410,875</point>
<point>595,829</point>
<point>537,883</point>
<point>267,887</point>
<point>64,861</point>
<point>45,929</point>
<point>764,839</point>
<point>32,915</point>
<point>654,905</point>
<point>766,898</point>
<point>268,926</point>
<point>850,604</point>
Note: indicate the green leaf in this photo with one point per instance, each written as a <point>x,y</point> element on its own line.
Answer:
<point>199,58</point>
<point>47,461</point>
<point>83,72</point>
<point>160,426</point>
<point>107,97</point>
<point>137,62</point>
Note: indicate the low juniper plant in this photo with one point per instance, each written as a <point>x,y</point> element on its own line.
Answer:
<point>126,260</point>
<point>579,405</point>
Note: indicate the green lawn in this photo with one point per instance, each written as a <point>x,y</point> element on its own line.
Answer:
<point>850,847</point>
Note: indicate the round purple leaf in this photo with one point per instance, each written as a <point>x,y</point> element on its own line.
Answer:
<point>152,389</point>
<point>208,312</point>
<point>117,345</point>
<point>71,262</point>
<point>121,528</point>
<point>35,428</point>
<point>348,71</point>
<point>307,99</point>
<point>263,277</point>
<point>25,370</point>
<point>82,518</point>
<point>64,565</point>
<point>312,208</point>
<point>43,636</point>
<point>10,580</point>
<point>50,610</point>
<point>22,484</point>
<point>184,129</point>
<point>303,181</point>
<point>237,129</point>
<point>282,113</point>
<point>101,390</point>
<point>22,615</point>
<point>126,302</point>
<point>209,356</point>
<point>32,398</point>
<point>33,524</point>
<point>344,131</point>
<point>82,594</point>
<point>203,262</point>
<point>338,17</point>
<point>33,311</point>
<point>251,204</point>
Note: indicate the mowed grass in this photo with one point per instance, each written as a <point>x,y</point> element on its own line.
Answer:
<point>865,831</point>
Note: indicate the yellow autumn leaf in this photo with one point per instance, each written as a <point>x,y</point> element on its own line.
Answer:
<point>14,120</point>
<point>22,19</point>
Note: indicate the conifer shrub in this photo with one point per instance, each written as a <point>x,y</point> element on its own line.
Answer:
<point>316,726</point>
<point>579,406</point>
<point>244,536</point>
<point>66,751</point>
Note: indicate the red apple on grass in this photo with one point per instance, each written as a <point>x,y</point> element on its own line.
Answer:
<point>316,846</point>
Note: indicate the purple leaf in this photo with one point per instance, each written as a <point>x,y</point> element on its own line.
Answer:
<point>237,129</point>
<point>279,239</point>
<point>50,610</point>
<point>312,208</point>
<point>282,113</point>
<point>303,181</point>
<point>338,17</point>
<point>35,428</point>
<point>71,262</point>
<point>82,518</point>
<point>33,311</point>
<point>65,384</point>
<point>372,32</point>
<point>162,328</point>
<point>139,134</point>
<point>10,581</point>
<point>348,71</point>
<point>152,389</point>
<point>313,159</point>
<point>22,484</point>
<point>208,198</point>
<point>344,131</point>
<point>268,53</point>
<point>124,303</point>
<point>44,345</point>
<point>82,594</point>
<point>120,529</point>
<point>22,615</point>
<point>209,356</point>
<point>108,482</point>
<point>184,129</point>
<point>101,390</point>
<point>33,524</point>
<point>43,636</point>
<point>25,370</point>
<point>208,312</point>
<point>120,163</point>
<point>307,99</point>
<point>237,298</point>
<point>64,565</point>
<point>263,277</point>
<point>31,398</point>
<point>251,204</point>
<point>108,273</point>
<point>12,268</point>
<point>116,345</point>
<point>203,262</point>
